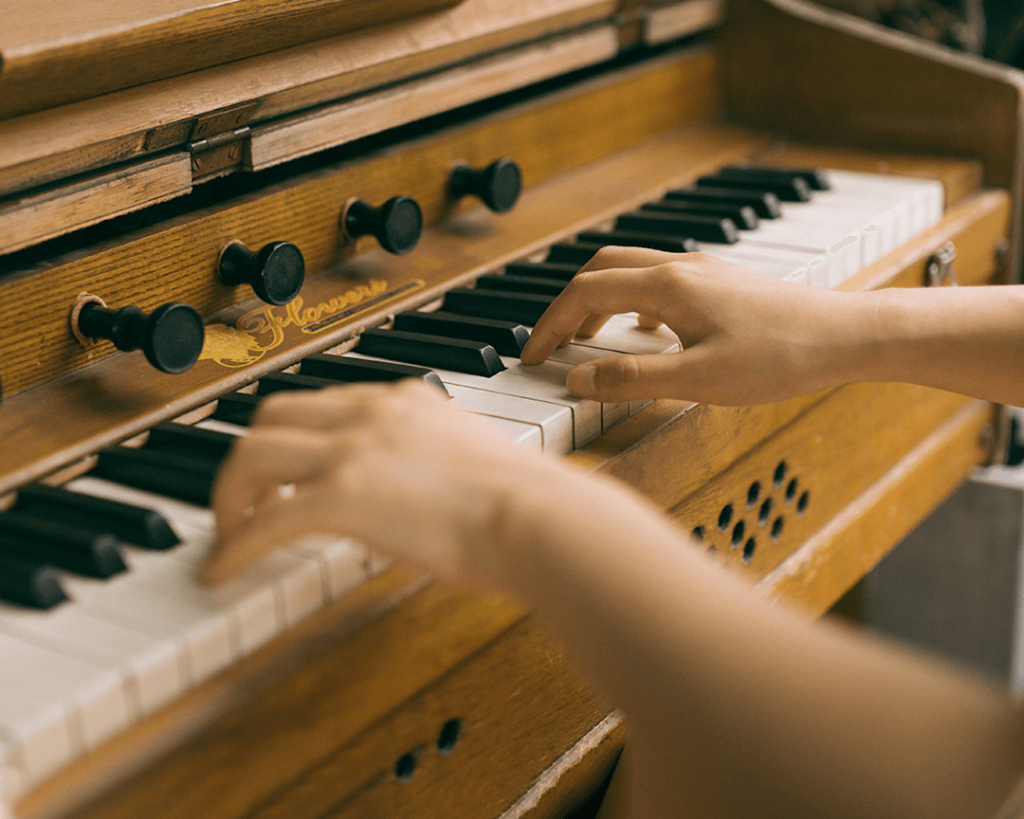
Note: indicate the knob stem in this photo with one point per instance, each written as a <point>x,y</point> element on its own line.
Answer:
<point>498,185</point>
<point>275,272</point>
<point>171,336</point>
<point>397,224</point>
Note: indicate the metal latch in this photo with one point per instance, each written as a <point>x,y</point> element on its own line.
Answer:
<point>940,266</point>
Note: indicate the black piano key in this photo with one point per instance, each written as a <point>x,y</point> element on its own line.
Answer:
<point>471,357</point>
<point>130,524</point>
<point>765,205</point>
<point>507,337</point>
<point>46,542</point>
<point>744,216</point>
<point>793,190</point>
<point>350,370</point>
<point>208,444</point>
<point>526,308</point>
<point>166,473</point>
<point>286,382</point>
<point>654,241</point>
<point>555,271</point>
<point>815,178</point>
<point>701,228</point>
<point>521,284</point>
<point>236,408</point>
<point>29,584</point>
<point>572,253</point>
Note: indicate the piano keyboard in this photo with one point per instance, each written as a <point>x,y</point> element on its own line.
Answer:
<point>121,647</point>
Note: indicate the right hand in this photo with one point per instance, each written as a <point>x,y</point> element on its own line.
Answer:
<point>747,338</point>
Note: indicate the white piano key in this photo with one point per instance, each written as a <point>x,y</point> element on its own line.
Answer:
<point>622,334</point>
<point>216,425</point>
<point>94,697</point>
<point>148,666</point>
<point>541,382</point>
<point>554,421</point>
<point>36,730</point>
<point>577,354</point>
<point>518,432</point>
<point>344,563</point>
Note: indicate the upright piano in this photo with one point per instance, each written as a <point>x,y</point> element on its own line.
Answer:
<point>261,185</point>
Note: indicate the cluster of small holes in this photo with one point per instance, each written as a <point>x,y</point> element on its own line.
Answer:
<point>770,513</point>
<point>447,739</point>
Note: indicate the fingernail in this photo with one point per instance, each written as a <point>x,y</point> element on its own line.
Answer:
<point>582,382</point>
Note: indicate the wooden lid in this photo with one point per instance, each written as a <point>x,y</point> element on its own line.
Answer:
<point>53,53</point>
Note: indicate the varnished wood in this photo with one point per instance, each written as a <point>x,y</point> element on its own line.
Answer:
<point>313,724</point>
<point>833,560</point>
<point>51,57</point>
<point>120,127</point>
<point>177,260</point>
<point>944,102</point>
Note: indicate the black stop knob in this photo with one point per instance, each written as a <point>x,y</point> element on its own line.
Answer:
<point>397,224</point>
<point>171,336</point>
<point>498,185</point>
<point>275,272</point>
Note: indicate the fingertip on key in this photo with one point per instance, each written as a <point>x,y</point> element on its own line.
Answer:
<point>582,381</point>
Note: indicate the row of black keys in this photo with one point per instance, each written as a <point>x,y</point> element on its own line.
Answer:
<point>50,527</point>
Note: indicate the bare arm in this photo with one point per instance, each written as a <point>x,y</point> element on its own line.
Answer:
<point>736,708</point>
<point>749,338</point>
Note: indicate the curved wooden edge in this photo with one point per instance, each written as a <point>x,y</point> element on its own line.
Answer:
<point>823,75</point>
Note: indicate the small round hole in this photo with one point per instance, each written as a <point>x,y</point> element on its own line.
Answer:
<point>777,527</point>
<point>779,475</point>
<point>748,550</point>
<point>698,533</point>
<point>791,490</point>
<point>405,767</point>
<point>801,505</point>
<point>712,549</point>
<point>449,735</point>
<point>725,517</point>
<point>737,534</point>
<point>765,512</point>
<point>753,493</point>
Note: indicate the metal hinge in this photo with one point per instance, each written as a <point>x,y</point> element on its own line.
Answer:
<point>218,141</point>
<point>939,268</point>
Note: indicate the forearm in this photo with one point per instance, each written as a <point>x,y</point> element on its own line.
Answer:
<point>967,339</point>
<point>771,714</point>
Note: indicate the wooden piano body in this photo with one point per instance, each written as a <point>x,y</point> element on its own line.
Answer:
<point>404,697</point>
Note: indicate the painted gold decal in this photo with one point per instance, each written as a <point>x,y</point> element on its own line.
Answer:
<point>264,329</point>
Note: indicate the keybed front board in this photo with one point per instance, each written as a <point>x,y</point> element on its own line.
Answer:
<point>122,646</point>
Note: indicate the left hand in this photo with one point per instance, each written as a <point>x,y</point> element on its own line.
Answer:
<point>395,467</point>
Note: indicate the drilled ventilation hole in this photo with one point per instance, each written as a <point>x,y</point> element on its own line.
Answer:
<point>748,550</point>
<point>737,534</point>
<point>725,517</point>
<point>753,493</point>
<point>779,475</point>
<point>449,735</point>
<point>765,512</point>
<point>791,488</point>
<point>405,767</point>
<point>698,533</point>
<point>777,527</point>
<point>801,505</point>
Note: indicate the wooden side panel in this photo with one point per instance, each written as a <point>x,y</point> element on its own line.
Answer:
<point>824,76</point>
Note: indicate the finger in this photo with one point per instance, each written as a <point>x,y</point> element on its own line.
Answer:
<point>261,462</point>
<point>271,526</point>
<point>597,292</point>
<point>628,257</point>
<point>325,409</point>
<point>623,378</point>
<point>592,326</point>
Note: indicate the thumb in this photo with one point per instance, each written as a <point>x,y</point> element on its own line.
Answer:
<point>628,377</point>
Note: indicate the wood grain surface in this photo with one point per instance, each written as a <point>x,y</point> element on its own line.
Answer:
<point>52,54</point>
